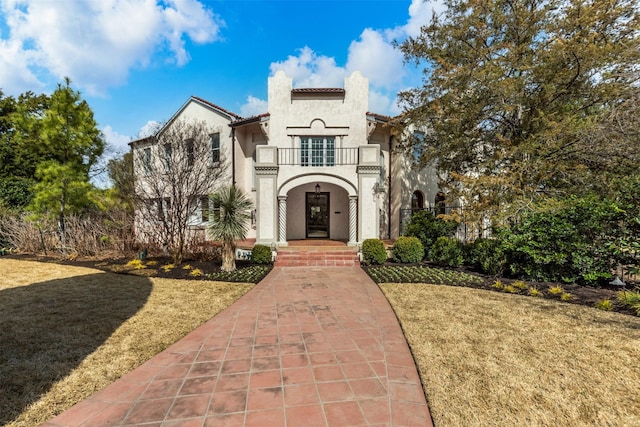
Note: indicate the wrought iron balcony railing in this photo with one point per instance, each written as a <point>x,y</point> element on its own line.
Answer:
<point>317,157</point>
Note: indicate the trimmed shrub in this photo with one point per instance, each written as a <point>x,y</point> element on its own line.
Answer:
<point>426,227</point>
<point>446,252</point>
<point>407,250</point>
<point>487,256</point>
<point>569,241</point>
<point>373,252</point>
<point>261,254</point>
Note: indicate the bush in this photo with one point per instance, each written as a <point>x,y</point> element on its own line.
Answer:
<point>568,240</point>
<point>407,250</point>
<point>426,227</point>
<point>446,252</point>
<point>487,256</point>
<point>261,254</point>
<point>373,252</point>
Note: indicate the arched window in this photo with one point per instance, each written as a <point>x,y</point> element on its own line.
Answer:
<point>417,201</point>
<point>441,205</point>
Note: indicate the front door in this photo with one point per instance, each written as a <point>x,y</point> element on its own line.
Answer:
<point>317,215</point>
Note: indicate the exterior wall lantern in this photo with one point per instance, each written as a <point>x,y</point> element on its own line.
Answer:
<point>317,190</point>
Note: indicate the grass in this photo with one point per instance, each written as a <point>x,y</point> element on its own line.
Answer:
<point>67,332</point>
<point>489,358</point>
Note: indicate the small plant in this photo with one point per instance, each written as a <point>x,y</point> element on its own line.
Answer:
<point>407,250</point>
<point>630,299</point>
<point>373,252</point>
<point>566,296</point>
<point>187,267</point>
<point>261,254</point>
<point>605,304</point>
<point>534,292</point>
<point>446,252</point>
<point>510,289</point>
<point>152,263</point>
<point>168,267</point>
<point>196,272</point>
<point>135,264</point>
<point>519,284</point>
<point>556,290</point>
<point>498,285</point>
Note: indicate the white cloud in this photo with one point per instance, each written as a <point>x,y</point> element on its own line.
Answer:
<point>150,128</point>
<point>309,69</point>
<point>253,107</point>
<point>420,14</point>
<point>101,43</point>
<point>373,54</point>
<point>377,59</point>
<point>117,143</point>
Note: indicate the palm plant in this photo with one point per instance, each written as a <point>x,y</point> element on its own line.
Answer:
<point>231,223</point>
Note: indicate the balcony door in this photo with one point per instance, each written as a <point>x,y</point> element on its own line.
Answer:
<point>317,215</point>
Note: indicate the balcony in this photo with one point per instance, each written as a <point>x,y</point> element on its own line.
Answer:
<point>318,157</point>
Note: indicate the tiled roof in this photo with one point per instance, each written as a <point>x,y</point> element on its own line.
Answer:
<point>245,121</point>
<point>319,90</point>
<point>380,117</point>
<point>217,107</point>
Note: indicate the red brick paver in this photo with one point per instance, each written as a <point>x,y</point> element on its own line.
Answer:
<point>308,346</point>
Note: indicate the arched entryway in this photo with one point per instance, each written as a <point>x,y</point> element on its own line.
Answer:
<point>318,207</point>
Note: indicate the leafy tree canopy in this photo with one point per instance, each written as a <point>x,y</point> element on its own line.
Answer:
<point>524,99</point>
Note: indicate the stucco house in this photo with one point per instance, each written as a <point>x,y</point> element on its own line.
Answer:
<point>317,164</point>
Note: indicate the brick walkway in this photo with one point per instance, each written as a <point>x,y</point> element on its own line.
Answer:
<point>308,346</point>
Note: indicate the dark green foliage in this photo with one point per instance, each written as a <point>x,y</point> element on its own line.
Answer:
<point>570,240</point>
<point>426,227</point>
<point>16,193</point>
<point>407,250</point>
<point>261,254</point>
<point>486,255</point>
<point>373,252</point>
<point>446,252</point>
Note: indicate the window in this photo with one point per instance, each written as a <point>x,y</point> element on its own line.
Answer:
<point>441,207</point>
<point>417,201</point>
<point>146,160</point>
<point>215,147</point>
<point>318,151</point>
<point>190,154</point>
<point>418,146</point>
<point>167,158</point>
<point>204,208</point>
<point>163,205</point>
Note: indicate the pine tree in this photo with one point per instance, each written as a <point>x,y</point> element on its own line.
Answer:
<point>70,144</point>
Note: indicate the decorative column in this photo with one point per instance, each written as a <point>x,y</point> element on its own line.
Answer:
<point>266,195</point>
<point>282,220</point>
<point>353,221</point>
<point>368,170</point>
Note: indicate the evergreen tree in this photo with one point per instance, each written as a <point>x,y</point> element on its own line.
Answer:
<point>69,145</point>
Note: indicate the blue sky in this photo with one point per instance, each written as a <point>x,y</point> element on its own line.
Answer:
<point>137,61</point>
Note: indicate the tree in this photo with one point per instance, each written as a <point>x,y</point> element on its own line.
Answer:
<point>231,224</point>
<point>18,158</point>
<point>69,145</point>
<point>174,175</point>
<point>526,99</point>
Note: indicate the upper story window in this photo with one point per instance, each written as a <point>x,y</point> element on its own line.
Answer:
<point>418,142</point>
<point>190,153</point>
<point>318,151</point>
<point>167,157</point>
<point>215,147</point>
<point>146,160</point>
